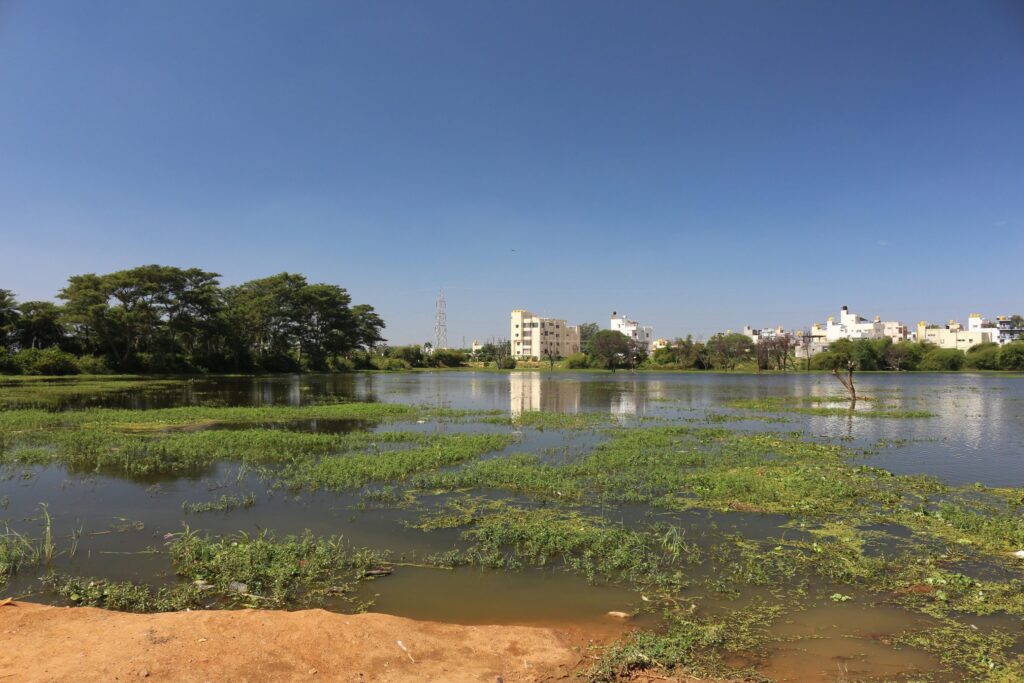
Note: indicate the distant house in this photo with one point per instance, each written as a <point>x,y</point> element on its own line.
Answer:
<point>535,337</point>
<point>643,336</point>
<point>953,335</point>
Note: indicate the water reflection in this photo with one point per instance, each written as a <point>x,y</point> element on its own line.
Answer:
<point>977,433</point>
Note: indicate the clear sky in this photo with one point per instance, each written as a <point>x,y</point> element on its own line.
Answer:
<point>697,165</point>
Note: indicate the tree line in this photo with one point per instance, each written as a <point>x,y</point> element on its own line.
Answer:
<point>164,319</point>
<point>738,351</point>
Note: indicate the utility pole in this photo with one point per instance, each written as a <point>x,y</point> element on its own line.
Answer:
<point>440,324</point>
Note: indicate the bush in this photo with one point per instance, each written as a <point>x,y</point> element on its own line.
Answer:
<point>413,355</point>
<point>446,358</point>
<point>361,360</point>
<point>341,364</point>
<point>983,356</point>
<point>1011,356</point>
<point>93,365</point>
<point>508,364</point>
<point>827,360</point>
<point>390,364</point>
<point>8,365</point>
<point>577,361</point>
<point>942,359</point>
<point>51,361</point>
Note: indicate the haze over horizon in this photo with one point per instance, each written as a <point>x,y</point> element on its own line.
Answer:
<point>695,166</point>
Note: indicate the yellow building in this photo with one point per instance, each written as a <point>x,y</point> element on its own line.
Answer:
<point>535,337</point>
<point>954,336</point>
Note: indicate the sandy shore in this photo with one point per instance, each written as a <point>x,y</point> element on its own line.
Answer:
<point>44,643</point>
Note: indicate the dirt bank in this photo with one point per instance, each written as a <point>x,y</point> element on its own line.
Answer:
<point>43,643</point>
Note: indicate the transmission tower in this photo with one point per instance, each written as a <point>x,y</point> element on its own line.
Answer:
<point>440,324</point>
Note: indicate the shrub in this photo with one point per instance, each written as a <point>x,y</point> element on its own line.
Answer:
<point>51,361</point>
<point>509,363</point>
<point>577,361</point>
<point>413,355</point>
<point>446,358</point>
<point>390,364</point>
<point>361,360</point>
<point>942,359</point>
<point>983,356</point>
<point>8,364</point>
<point>93,365</point>
<point>341,364</point>
<point>1011,356</point>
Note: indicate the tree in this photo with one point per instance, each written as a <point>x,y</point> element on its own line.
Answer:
<point>9,315</point>
<point>266,315</point>
<point>367,327</point>
<point>587,332</point>
<point>610,349</point>
<point>905,355</point>
<point>983,356</point>
<point>503,354</point>
<point>152,310</point>
<point>840,358</point>
<point>942,360</point>
<point>326,326</point>
<point>728,350</point>
<point>806,345</point>
<point>1011,356</point>
<point>39,325</point>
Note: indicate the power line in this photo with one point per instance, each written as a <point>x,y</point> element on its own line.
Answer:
<point>440,323</point>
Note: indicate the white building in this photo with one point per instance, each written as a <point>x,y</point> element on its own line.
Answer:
<point>643,336</point>
<point>535,337</point>
<point>952,335</point>
<point>853,326</point>
<point>763,333</point>
<point>1001,329</point>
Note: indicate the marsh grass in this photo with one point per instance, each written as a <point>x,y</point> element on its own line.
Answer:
<point>818,406</point>
<point>225,503</point>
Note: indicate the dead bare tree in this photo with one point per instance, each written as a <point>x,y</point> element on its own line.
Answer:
<point>502,349</point>
<point>806,345</point>
<point>848,380</point>
<point>782,348</point>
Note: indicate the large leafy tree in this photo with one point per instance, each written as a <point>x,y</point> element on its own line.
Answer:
<point>39,325</point>
<point>367,327</point>
<point>587,332</point>
<point>327,326</point>
<point>728,350</point>
<point>8,317</point>
<point>266,316</point>
<point>154,310</point>
<point>611,349</point>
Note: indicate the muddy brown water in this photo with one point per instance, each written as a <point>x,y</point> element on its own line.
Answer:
<point>976,436</point>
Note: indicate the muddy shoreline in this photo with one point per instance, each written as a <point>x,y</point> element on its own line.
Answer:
<point>46,643</point>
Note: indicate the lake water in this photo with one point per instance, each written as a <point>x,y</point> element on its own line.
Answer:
<point>975,435</point>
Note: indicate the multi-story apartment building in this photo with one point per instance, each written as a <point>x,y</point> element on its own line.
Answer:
<point>953,335</point>
<point>853,326</point>
<point>1001,328</point>
<point>643,336</point>
<point>535,337</point>
<point>1008,332</point>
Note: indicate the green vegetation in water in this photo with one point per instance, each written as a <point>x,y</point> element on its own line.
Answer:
<point>787,404</point>
<point>171,440</point>
<point>260,570</point>
<point>225,503</point>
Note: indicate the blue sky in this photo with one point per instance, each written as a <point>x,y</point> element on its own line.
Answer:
<point>695,165</point>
